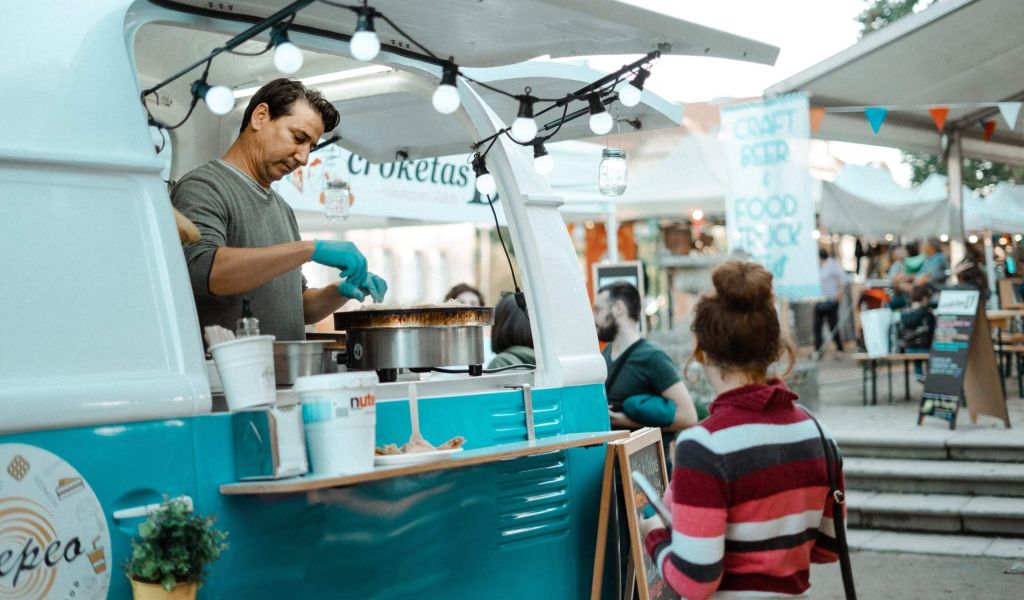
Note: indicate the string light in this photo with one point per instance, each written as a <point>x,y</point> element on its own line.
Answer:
<point>600,121</point>
<point>365,44</point>
<point>219,98</point>
<point>446,96</point>
<point>287,56</point>
<point>543,164</point>
<point>630,93</point>
<point>524,128</point>
<point>484,180</point>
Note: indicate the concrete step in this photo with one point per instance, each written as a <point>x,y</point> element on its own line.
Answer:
<point>931,543</point>
<point>934,477</point>
<point>972,446</point>
<point>943,513</point>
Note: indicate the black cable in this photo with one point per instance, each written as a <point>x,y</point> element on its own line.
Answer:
<point>407,36</point>
<point>340,5</point>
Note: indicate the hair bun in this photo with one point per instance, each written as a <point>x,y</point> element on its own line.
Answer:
<point>743,286</point>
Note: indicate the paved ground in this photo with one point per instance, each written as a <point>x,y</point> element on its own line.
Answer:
<point>842,409</point>
<point>912,576</point>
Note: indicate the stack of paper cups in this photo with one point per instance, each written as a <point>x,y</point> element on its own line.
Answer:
<point>246,369</point>
<point>339,411</point>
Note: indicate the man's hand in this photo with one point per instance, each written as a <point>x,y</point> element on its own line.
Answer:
<point>348,259</point>
<point>375,287</point>
<point>620,420</point>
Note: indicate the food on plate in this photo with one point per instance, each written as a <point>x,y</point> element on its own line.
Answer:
<point>390,449</point>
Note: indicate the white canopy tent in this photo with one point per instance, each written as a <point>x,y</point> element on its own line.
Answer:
<point>866,202</point>
<point>1001,211</point>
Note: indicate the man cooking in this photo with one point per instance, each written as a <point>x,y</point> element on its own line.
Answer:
<point>250,242</point>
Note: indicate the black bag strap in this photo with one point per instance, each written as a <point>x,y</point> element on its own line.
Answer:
<point>618,364</point>
<point>838,501</point>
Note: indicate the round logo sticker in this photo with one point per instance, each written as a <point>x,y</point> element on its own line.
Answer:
<point>54,541</point>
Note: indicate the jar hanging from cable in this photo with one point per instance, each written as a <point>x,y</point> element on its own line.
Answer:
<point>611,175</point>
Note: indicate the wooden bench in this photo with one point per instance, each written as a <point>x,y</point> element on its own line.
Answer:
<point>869,365</point>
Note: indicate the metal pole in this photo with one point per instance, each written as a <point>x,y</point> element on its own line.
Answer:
<point>954,166</point>
<point>612,229</point>
<point>990,269</point>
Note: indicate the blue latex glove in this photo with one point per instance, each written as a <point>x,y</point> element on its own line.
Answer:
<point>650,409</point>
<point>375,287</point>
<point>345,257</point>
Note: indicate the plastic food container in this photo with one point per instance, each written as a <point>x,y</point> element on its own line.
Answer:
<point>339,412</point>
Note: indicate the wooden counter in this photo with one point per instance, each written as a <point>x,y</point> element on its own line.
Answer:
<point>458,460</point>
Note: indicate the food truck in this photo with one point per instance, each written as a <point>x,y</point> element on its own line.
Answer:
<point>105,399</point>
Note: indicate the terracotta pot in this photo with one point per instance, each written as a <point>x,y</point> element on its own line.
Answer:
<point>155,591</point>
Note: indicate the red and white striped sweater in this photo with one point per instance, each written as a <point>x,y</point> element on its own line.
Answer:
<point>748,498</point>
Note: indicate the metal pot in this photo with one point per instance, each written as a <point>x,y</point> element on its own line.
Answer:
<point>300,358</point>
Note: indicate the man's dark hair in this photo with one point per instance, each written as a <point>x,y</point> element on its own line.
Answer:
<point>511,326</point>
<point>823,254</point>
<point>920,293</point>
<point>627,292</point>
<point>281,94</point>
<point>913,249</point>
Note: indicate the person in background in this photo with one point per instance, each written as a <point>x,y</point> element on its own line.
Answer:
<point>833,278</point>
<point>896,276</point>
<point>749,494</point>
<point>511,338</point>
<point>250,244</point>
<point>934,270</point>
<point>917,325</point>
<point>466,294</point>
<point>970,276</point>
<point>644,388</point>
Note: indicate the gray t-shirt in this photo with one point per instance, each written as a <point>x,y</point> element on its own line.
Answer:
<point>231,209</point>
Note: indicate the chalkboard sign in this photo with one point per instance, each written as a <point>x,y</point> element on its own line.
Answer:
<point>641,451</point>
<point>962,362</point>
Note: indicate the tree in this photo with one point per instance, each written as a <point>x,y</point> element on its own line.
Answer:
<point>977,174</point>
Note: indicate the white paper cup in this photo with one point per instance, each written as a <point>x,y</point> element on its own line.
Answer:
<point>340,415</point>
<point>246,369</point>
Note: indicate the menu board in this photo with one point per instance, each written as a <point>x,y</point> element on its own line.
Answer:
<point>962,364</point>
<point>641,451</point>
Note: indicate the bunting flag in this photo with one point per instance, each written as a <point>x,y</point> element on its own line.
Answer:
<point>817,115</point>
<point>1010,110</point>
<point>939,114</point>
<point>990,128</point>
<point>876,116</point>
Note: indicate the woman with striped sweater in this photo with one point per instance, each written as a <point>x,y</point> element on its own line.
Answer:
<point>749,491</point>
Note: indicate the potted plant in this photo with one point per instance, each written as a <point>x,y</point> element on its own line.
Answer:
<point>171,554</point>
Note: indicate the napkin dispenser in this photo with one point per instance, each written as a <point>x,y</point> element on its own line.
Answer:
<point>270,442</point>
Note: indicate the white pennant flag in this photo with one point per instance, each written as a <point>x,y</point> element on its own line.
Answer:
<point>1010,110</point>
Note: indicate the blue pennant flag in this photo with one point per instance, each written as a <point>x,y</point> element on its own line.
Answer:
<point>876,116</point>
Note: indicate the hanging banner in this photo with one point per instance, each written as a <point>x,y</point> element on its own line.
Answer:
<point>440,190</point>
<point>769,211</point>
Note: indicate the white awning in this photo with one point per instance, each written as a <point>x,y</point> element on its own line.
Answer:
<point>955,51</point>
<point>489,34</point>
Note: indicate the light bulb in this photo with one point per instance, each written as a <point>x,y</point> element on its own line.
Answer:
<point>219,99</point>
<point>365,45</point>
<point>524,129</point>
<point>544,164</point>
<point>629,95</point>
<point>287,58</point>
<point>446,99</point>
<point>485,184</point>
<point>601,123</point>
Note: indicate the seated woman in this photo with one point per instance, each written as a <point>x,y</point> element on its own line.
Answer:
<point>466,294</point>
<point>511,338</point>
<point>749,494</point>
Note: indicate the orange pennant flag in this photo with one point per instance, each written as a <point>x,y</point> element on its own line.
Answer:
<point>939,115</point>
<point>990,128</point>
<point>817,116</point>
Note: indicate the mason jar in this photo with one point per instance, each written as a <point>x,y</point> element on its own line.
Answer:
<point>611,176</point>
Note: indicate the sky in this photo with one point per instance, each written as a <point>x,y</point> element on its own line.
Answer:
<point>805,31</point>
